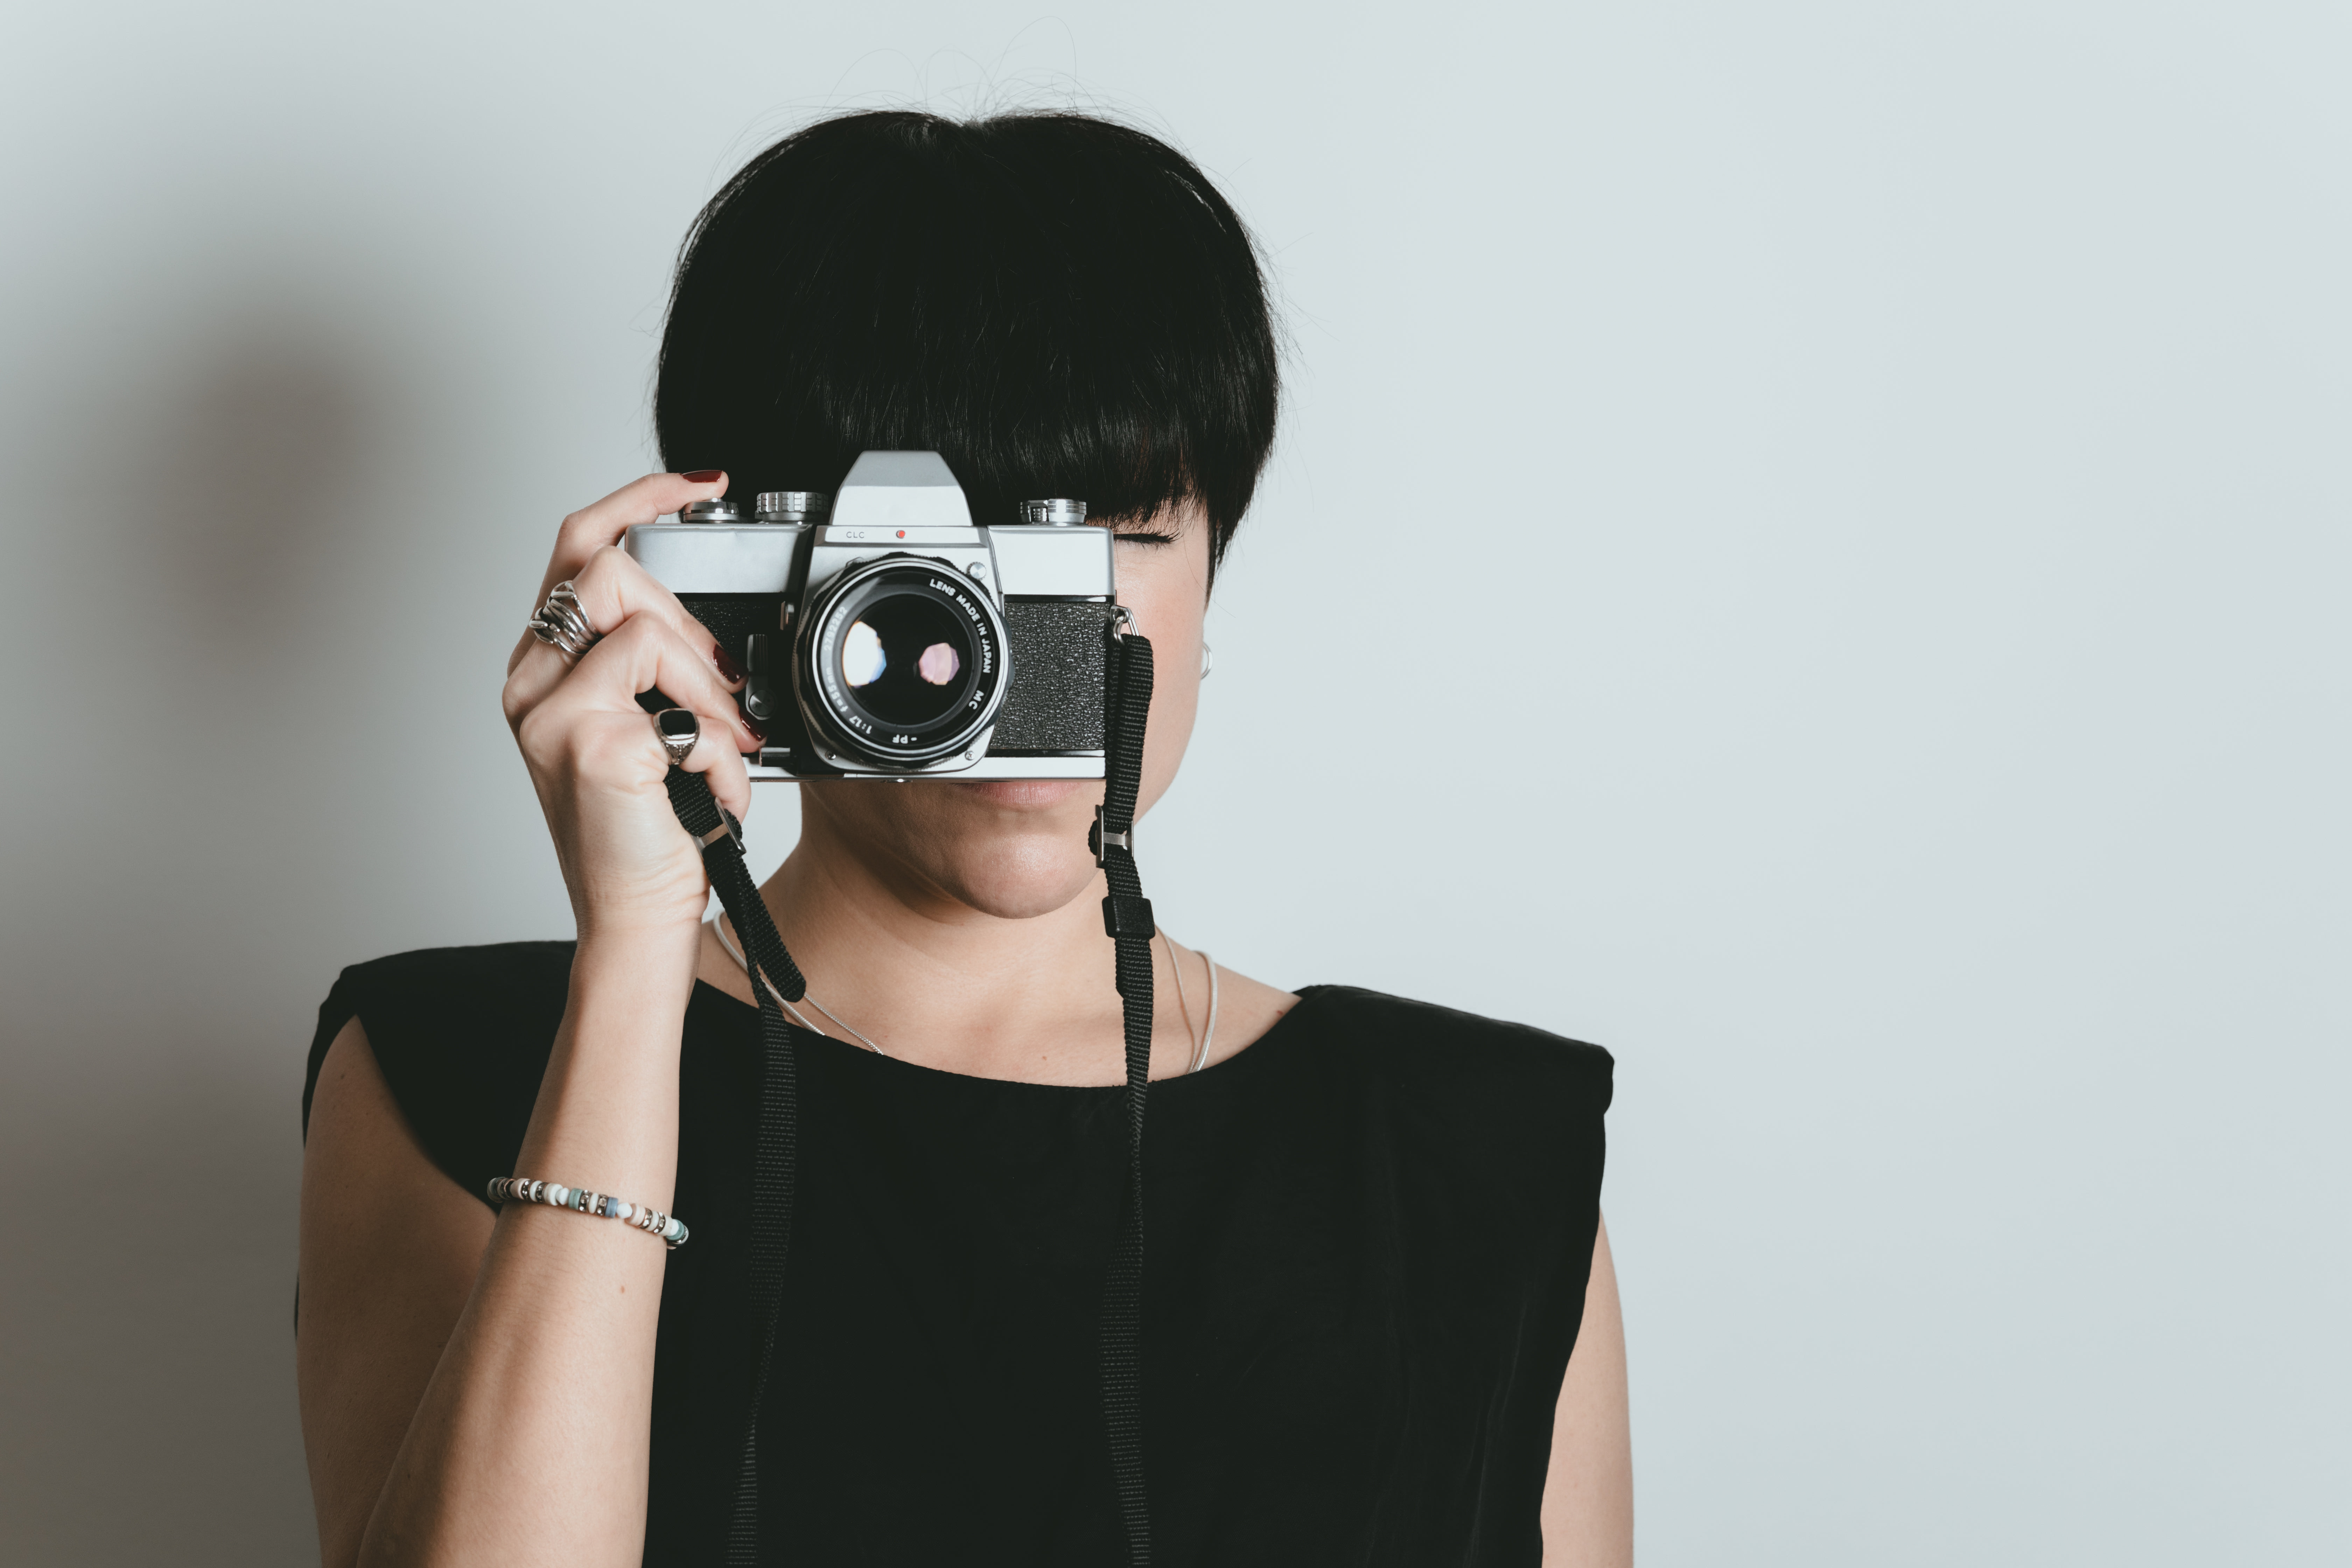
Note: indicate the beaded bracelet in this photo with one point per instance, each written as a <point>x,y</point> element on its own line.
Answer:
<point>523,1190</point>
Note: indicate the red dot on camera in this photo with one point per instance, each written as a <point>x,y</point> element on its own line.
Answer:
<point>902,533</point>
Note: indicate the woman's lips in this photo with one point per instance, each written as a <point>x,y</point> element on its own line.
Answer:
<point>1026,795</point>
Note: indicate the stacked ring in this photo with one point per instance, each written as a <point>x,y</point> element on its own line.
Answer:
<point>561,624</point>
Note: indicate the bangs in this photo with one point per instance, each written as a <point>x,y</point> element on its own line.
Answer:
<point>1057,305</point>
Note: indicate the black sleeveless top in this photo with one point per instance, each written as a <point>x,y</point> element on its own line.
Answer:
<point>1367,1238</point>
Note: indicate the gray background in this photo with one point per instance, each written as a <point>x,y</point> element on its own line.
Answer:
<point>1808,546</point>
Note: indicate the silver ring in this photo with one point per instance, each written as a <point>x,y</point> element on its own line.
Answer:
<point>679,729</point>
<point>561,624</point>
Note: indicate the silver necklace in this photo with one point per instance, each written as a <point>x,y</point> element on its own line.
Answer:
<point>735,952</point>
<point>1200,1045</point>
<point>1200,1042</point>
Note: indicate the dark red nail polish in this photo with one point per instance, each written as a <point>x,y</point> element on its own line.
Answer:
<point>728,669</point>
<point>703,475</point>
<point>752,726</point>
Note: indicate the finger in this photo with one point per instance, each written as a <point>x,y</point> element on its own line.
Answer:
<point>592,720</point>
<point>607,751</point>
<point>646,654</point>
<point>593,527</point>
<point>640,500</point>
<point>723,766</point>
<point>612,587</point>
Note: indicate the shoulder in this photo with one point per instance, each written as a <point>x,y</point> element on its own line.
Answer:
<point>1489,1136</point>
<point>494,976</point>
<point>461,1035</point>
<point>1436,1049</point>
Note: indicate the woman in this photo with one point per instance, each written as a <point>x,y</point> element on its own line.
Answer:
<point>1380,1320</point>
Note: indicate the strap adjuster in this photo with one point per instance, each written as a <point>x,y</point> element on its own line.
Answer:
<point>1098,841</point>
<point>727,828</point>
<point>1128,920</point>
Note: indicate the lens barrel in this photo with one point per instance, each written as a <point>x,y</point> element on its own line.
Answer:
<point>901,662</point>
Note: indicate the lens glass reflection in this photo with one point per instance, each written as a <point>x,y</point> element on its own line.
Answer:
<point>905,656</point>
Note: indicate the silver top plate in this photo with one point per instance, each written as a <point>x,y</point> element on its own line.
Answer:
<point>715,557</point>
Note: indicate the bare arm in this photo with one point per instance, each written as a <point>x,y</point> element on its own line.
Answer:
<point>1588,1505</point>
<point>389,1250</point>
<point>476,1390</point>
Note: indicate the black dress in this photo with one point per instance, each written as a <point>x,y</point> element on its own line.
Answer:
<point>1367,1240</point>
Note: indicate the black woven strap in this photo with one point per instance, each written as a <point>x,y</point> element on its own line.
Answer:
<point>775,1154</point>
<point>1127,917</point>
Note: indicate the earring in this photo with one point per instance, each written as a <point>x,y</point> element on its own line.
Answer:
<point>1207,659</point>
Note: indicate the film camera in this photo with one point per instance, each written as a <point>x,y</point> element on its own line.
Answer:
<point>888,636</point>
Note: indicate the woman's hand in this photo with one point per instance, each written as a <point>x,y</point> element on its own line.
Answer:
<point>591,750</point>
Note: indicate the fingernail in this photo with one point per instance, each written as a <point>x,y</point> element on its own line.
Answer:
<point>752,728</point>
<point>729,670</point>
<point>704,475</point>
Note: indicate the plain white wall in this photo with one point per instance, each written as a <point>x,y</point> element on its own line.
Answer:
<point>1809,545</point>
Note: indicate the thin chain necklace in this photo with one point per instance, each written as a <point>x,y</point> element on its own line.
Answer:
<point>735,952</point>
<point>1200,1042</point>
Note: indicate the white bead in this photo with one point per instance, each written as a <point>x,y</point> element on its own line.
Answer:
<point>621,1210</point>
<point>559,1194</point>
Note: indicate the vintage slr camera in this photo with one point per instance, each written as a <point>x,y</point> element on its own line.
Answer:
<point>893,638</point>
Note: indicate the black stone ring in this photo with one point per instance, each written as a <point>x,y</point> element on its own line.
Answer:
<point>679,729</point>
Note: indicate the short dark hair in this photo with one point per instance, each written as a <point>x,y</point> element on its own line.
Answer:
<point>1058,305</point>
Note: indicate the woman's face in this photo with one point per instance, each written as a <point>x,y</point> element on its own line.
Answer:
<point>1019,849</point>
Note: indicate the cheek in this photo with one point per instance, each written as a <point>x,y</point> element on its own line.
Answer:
<point>1174,705</point>
<point>1167,586</point>
<point>1168,594</point>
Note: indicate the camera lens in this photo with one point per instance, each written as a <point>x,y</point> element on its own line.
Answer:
<point>903,661</point>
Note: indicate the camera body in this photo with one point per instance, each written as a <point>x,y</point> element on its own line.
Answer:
<point>888,636</point>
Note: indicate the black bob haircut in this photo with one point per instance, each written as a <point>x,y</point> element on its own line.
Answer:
<point>1057,305</point>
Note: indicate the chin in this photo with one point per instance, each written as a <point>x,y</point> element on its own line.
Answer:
<point>1015,876</point>
<point>1015,849</point>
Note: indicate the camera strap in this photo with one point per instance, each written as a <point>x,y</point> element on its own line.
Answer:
<point>1127,919</point>
<point>775,1156</point>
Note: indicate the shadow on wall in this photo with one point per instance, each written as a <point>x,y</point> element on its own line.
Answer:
<point>154,966</point>
<point>151,1386</point>
<point>262,443</point>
